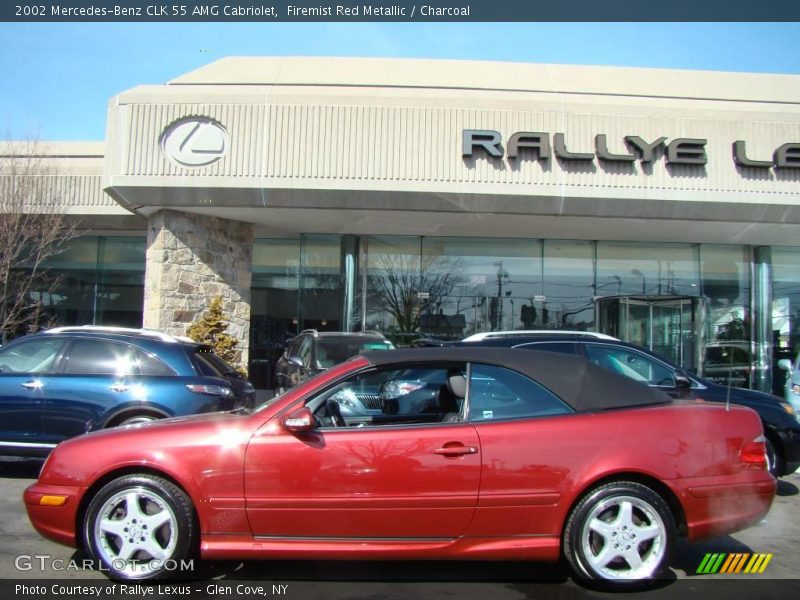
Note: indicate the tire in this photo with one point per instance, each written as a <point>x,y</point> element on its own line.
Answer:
<point>774,461</point>
<point>136,420</point>
<point>156,514</point>
<point>620,535</point>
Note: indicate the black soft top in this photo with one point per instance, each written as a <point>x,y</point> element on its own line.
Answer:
<point>578,382</point>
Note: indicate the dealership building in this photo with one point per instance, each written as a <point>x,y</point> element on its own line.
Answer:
<point>443,198</point>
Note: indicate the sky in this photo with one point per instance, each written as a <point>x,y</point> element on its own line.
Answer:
<point>59,77</point>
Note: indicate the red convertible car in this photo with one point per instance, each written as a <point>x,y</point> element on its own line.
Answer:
<point>475,453</point>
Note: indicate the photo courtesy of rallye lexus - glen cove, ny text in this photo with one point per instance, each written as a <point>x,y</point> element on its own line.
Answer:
<point>481,311</point>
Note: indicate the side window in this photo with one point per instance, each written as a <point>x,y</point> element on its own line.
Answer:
<point>36,356</point>
<point>631,364</point>
<point>497,393</point>
<point>294,347</point>
<point>560,347</point>
<point>410,395</point>
<point>305,351</point>
<point>98,357</point>
<point>150,365</point>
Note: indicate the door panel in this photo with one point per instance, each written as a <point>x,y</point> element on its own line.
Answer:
<point>363,482</point>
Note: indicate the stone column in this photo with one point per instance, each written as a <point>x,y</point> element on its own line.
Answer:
<point>191,259</point>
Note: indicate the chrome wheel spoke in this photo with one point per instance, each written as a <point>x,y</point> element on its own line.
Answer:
<point>632,558</point>
<point>606,555</point>
<point>113,527</point>
<point>602,528</point>
<point>127,550</point>
<point>132,508</point>
<point>647,532</point>
<point>154,549</point>
<point>625,516</point>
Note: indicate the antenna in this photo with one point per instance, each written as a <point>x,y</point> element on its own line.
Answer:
<point>730,376</point>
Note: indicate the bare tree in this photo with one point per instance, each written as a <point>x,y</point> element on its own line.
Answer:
<point>33,228</point>
<point>406,285</point>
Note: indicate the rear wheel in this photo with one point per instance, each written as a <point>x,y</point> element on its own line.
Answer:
<point>137,419</point>
<point>620,535</point>
<point>141,527</point>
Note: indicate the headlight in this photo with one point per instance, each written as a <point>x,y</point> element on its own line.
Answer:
<point>346,398</point>
<point>789,409</point>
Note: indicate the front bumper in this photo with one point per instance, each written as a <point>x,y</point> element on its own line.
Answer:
<point>56,523</point>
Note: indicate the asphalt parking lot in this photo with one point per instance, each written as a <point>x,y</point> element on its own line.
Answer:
<point>778,535</point>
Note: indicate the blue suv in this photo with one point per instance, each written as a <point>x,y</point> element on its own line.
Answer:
<point>66,381</point>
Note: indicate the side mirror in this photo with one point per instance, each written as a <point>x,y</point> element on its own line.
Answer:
<point>785,364</point>
<point>683,384</point>
<point>296,361</point>
<point>299,421</point>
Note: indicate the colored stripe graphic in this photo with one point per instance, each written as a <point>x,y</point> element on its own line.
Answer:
<point>724,563</point>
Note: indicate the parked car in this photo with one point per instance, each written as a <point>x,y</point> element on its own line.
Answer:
<point>781,423</point>
<point>313,351</point>
<point>66,381</point>
<point>727,362</point>
<point>792,385</point>
<point>527,455</point>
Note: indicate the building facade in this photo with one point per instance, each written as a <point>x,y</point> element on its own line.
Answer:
<point>443,198</point>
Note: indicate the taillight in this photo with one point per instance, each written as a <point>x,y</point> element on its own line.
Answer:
<point>212,390</point>
<point>754,454</point>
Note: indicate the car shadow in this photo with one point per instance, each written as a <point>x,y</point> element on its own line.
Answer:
<point>787,488</point>
<point>20,468</point>
<point>690,555</point>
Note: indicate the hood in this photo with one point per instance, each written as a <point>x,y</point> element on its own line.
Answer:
<point>213,421</point>
<point>742,395</point>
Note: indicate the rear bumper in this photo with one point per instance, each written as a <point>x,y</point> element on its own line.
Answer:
<point>718,507</point>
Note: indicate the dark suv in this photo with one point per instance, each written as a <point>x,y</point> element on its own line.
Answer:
<point>781,424</point>
<point>66,381</point>
<point>313,351</point>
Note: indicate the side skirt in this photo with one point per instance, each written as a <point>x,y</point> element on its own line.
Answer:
<point>245,547</point>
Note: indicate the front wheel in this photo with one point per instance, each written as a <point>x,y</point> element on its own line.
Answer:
<point>620,535</point>
<point>141,527</point>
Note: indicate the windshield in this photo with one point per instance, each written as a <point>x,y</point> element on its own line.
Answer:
<point>335,350</point>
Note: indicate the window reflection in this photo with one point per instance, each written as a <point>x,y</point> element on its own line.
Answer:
<point>568,286</point>
<point>725,274</point>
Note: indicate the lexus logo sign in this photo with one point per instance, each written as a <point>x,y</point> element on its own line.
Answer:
<point>194,142</point>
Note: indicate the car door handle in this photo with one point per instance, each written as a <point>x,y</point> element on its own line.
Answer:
<point>454,450</point>
<point>118,387</point>
<point>32,385</point>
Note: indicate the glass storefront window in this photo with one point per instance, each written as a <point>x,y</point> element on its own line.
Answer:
<point>274,307</point>
<point>478,284</point>
<point>391,293</point>
<point>725,272</point>
<point>785,311</point>
<point>646,269</point>
<point>100,281</point>
<point>568,297</point>
<point>120,285</point>
<point>321,282</point>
